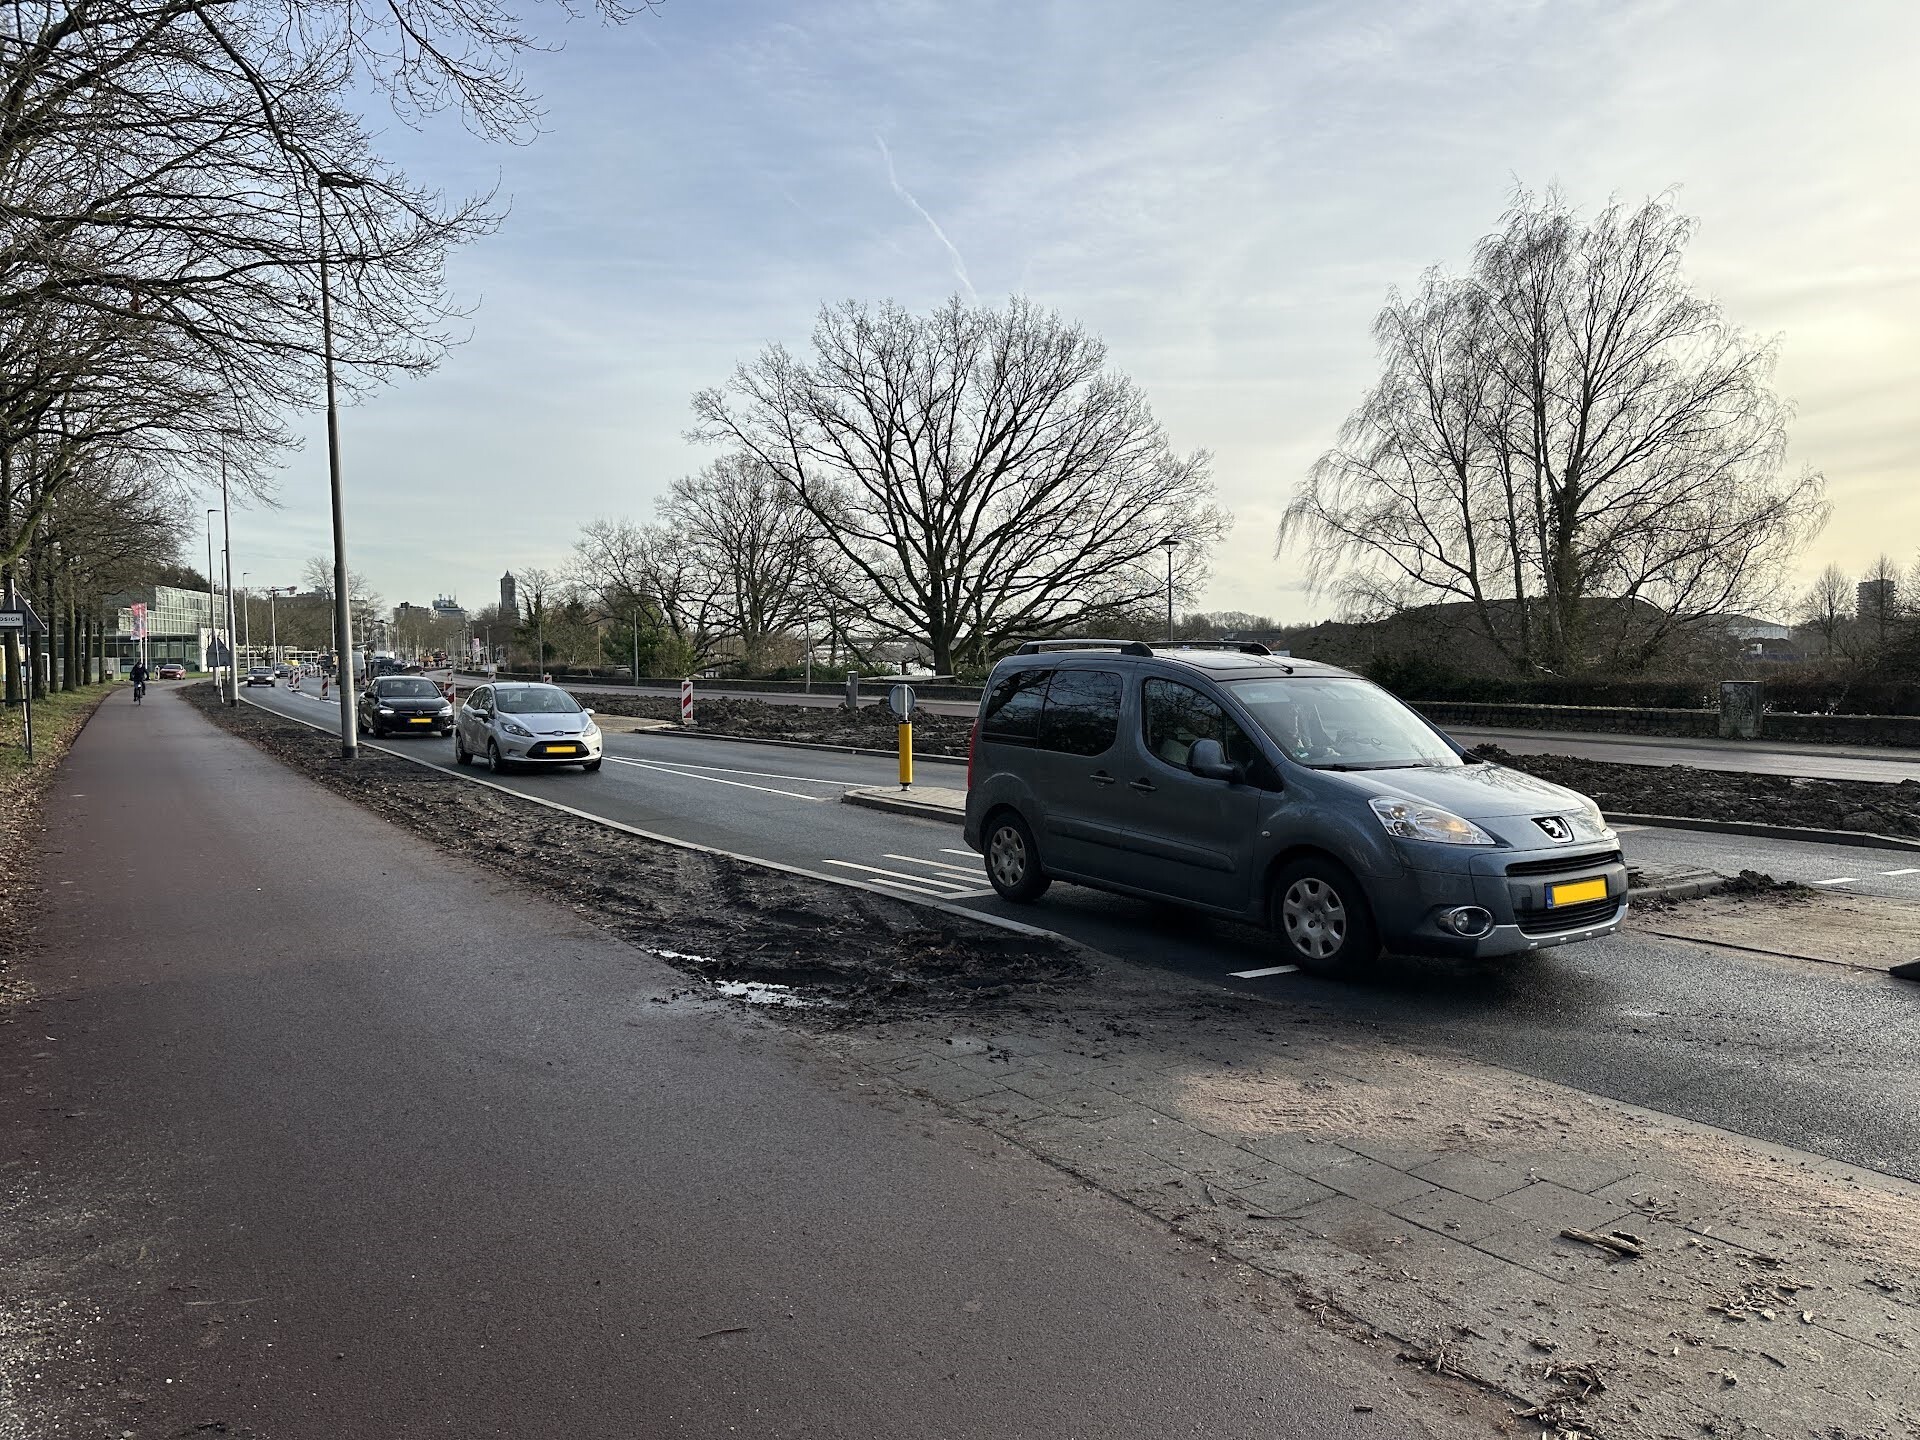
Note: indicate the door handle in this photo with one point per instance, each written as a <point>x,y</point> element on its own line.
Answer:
<point>1100,777</point>
<point>1145,787</point>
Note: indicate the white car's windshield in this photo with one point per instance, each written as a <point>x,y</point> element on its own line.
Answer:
<point>1340,723</point>
<point>534,700</point>
<point>407,690</point>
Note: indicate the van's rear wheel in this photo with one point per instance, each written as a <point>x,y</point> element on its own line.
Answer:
<point>1320,914</point>
<point>1013,860</point>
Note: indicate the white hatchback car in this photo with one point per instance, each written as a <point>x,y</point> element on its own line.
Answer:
<point>510,724</point>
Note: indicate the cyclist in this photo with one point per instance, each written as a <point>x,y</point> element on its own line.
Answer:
<point>138,675</point>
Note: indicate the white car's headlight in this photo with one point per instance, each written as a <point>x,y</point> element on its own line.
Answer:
<point>591,730</point>
<point>1415,820</point>
<point>514,727</point>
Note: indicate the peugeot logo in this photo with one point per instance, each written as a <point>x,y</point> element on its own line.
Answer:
<point>1556,828</point>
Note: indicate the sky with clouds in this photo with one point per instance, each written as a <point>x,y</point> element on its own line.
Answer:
<point>1223,190</point>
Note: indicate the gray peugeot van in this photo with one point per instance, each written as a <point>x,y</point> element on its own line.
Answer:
<point>1282,791</point>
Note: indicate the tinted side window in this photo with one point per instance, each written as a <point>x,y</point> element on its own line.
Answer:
<point>1176,715</point>
<point>1012,716</point>
<point>1082,716</point>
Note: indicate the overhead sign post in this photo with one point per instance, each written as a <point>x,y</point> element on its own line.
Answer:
<point>900,700</point>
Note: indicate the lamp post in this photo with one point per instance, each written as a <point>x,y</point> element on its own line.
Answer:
<point>226,563</point>
<point>246,614</point>
<point>342,615</point>
<point>1170,544</point>
<point>213,631</point>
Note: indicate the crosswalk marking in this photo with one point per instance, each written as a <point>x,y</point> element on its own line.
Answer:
<point>947,887</point>
<point>971,874</point>
<point>1269,970</point>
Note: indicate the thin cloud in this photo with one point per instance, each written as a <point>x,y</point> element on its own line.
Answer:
<point>953,251</point>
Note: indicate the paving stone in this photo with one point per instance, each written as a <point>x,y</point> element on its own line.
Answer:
<point>1400,1248</point>
<point>1400,1157</point>
<point>1450,1213</point>
<point>1539,1248</point>
<point>1089,1104</point>
<point>1588,1173</point>
<point>1371,1181</point>
<point>1559,1207</point>
<point>947,1082</point>
<point>1285,1195</point>
<point>1003,1109</point>
<point>1471,1175</point>
<point>1302,1154</point>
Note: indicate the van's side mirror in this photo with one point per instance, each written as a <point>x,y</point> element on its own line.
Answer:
<point>1207,760</point>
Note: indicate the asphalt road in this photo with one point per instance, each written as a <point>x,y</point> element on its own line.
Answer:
<point>310,1133</point>
<point>1812,1056</point>
<point>1827,762</point>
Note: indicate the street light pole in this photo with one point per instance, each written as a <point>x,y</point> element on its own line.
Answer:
<point>226,562</point>
<point>342,613</point>
<point>213,631</point>
<point>246,614</point>
<point>1170,544</point>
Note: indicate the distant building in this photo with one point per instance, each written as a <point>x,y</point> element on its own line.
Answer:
<point>445,607</point>
<point>1755,627</point>
<point>176,627</point>
<point>1875,599</point>
<point>509,596</point>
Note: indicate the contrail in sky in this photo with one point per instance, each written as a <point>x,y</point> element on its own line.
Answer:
<point>959,265</point>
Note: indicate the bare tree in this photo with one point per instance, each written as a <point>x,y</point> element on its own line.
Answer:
<point>759,551</point>
<point>363,601</point>
<point>981,473</point>
<point>1827,606</point>
<point>1880,608</point>
<point>626,565</point>
<point>1568,440</point>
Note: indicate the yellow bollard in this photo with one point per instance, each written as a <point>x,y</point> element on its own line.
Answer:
<point>906,755</point>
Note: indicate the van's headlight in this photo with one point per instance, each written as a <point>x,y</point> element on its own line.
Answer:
<point>1413,820</point>
<point>1589,824</point>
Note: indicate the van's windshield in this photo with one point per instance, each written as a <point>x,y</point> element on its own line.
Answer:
<point>1338,723</point>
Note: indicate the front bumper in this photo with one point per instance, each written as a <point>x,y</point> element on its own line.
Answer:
<point>1523,891</point>
<point>547,749</point>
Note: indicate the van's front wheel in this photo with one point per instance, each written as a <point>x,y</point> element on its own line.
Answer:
<point>1320,914</point>
<point>1013,860</point>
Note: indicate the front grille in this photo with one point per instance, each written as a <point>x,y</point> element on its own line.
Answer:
<point>1563,864</point>
<point>1567,917</point>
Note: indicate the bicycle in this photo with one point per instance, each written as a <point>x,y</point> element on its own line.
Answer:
<point>139,691</point>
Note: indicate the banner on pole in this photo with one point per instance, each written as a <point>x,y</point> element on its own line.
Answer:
<point>139,621</point>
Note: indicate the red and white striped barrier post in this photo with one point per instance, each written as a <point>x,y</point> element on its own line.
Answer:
<point>686,702</point>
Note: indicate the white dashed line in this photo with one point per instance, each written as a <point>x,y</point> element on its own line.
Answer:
<point>1909,870</point>
<point>710,779</point>
<point>1270,970</point>
<point>971,874</point>
<point>1839,880</point>
<point>944,850</point>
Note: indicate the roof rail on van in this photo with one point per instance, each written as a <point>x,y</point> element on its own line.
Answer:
<point>1125,647</point>
<point>1245,647</point>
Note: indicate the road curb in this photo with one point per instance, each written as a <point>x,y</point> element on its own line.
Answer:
<point>902,803</point>
<point>998,922</point>
<point>1862,838</point>
<point>1691,888</point>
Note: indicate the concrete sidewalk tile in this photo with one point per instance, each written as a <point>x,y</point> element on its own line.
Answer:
<point>1285,1195</point>
<point>1472,1175</point>
<point>1090,1104</point>
<point>1400,1157</point>
<point>1540,1248</point>
<point>946,1082</point>
<point>1560,1207</point>
<point>1302,1154</point>
<point>1400,1248</point>
<point>1588,1173</point>
<point>1003,1109</point>
<point>1371,1181</point>
<point>1450,1213</point>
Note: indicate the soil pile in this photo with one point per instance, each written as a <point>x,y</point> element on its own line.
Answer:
<point>1683,790</point>
<point>755,933</point>
<point>871,727</point>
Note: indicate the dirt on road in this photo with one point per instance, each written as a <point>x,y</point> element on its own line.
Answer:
<point>1860,805</point>
<point>835,953</point>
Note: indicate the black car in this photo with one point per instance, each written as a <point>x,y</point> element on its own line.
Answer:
<point>405,704</point>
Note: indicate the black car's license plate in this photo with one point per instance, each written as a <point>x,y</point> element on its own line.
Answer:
<point>421,720</point>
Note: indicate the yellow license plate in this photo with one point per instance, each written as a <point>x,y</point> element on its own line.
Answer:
<point>1572,892</point>
<point>563,749</point>
<point>421,720</point>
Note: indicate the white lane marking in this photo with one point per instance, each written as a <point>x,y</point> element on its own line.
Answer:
<point>910,888</point>
<point>1909,870</point>
<point>970,894</point>
<point>1269,970</point>
<point>713,779</point>
<point>947,887</point>
<point>971,874</point>
<point>757,774</point>
<point>944,850</point>
<point>1839,880</point>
